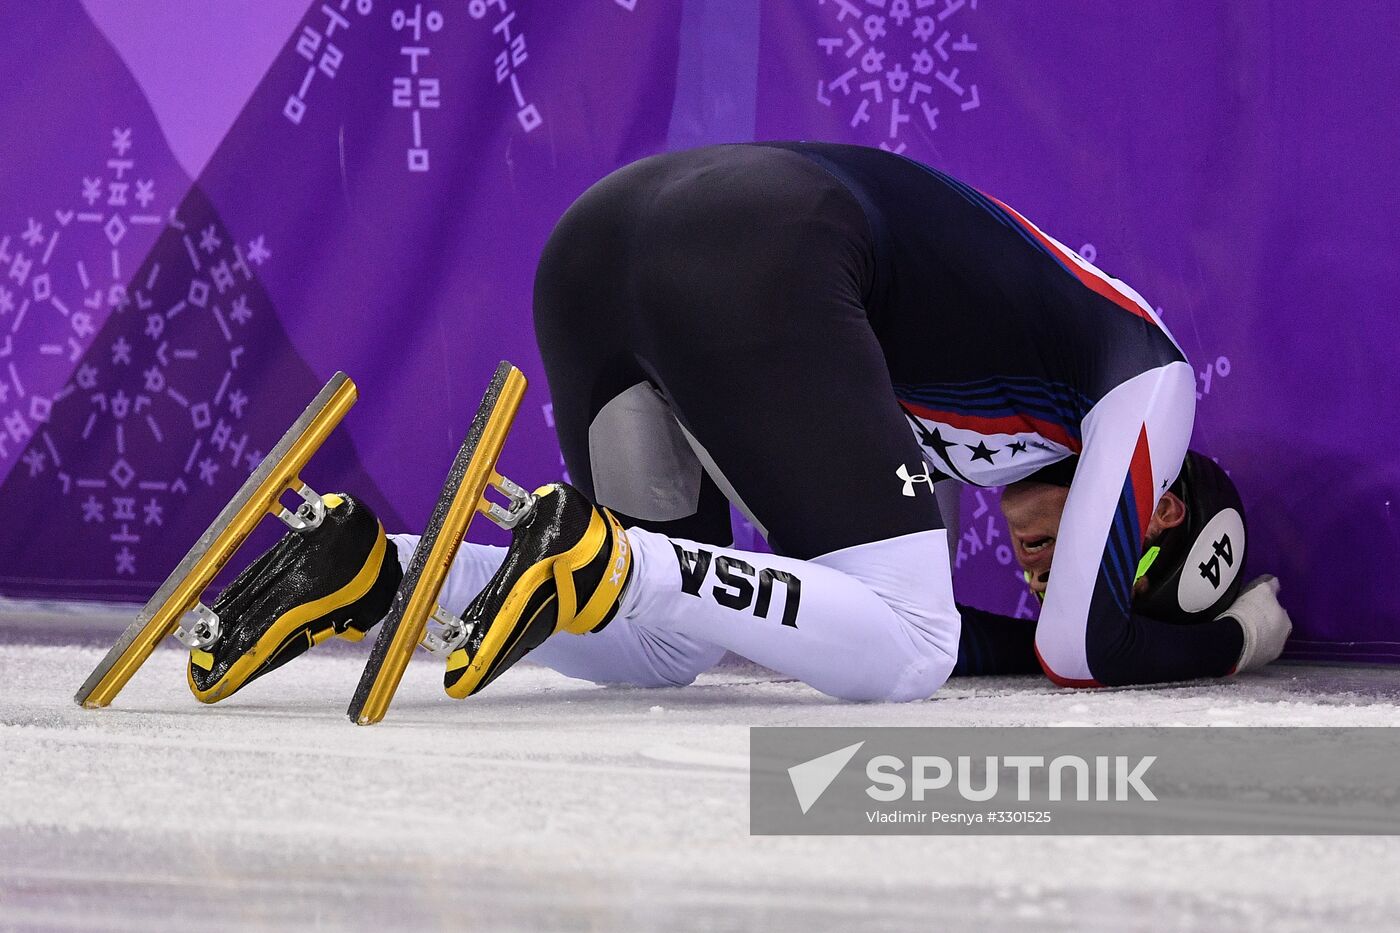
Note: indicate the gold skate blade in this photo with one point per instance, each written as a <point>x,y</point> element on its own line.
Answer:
<point>462,496</point>
<point>258,497</point>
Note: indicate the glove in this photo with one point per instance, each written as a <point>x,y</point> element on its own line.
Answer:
<point>1265,623</point>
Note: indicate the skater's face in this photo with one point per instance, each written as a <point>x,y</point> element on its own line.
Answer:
<point>1033,512</point>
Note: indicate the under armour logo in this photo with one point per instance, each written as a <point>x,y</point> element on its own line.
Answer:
<point>911,478</point>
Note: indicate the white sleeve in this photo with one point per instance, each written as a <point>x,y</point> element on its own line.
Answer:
<point>1134,441</point>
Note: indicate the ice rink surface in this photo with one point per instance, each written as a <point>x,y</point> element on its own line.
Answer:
<point>546,803</point>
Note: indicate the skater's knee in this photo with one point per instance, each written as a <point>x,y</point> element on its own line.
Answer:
<point>931,652</point>
<point>922,678</point>
<point>917,675</point>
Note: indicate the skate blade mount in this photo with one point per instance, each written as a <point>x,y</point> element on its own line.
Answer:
<point>463,495</point>
<point>260,496</point>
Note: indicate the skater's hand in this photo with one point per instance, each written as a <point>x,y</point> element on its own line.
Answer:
<point>1265,623</point>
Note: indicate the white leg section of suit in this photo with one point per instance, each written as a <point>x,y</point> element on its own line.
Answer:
<point>873,622</point>
<point>621,653</point>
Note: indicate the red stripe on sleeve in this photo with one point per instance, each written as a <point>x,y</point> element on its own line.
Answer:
<point>1140,471</point>
<point>1091,281</point>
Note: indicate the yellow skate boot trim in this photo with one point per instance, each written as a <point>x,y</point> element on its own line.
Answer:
<point>289,625</point>
<point>609,589</point>
<point>473,471</point>
<point>509,626</point>
<point>500,638</point>
<point>256,498</point>
<point>458,659</point>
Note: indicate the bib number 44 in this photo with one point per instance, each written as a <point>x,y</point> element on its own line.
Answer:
<point>1221,551</point>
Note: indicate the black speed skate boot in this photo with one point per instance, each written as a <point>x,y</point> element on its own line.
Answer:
<point>337,578</point>
<point>565,571</point>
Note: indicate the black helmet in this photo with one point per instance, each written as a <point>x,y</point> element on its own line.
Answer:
<point>1194,570</point>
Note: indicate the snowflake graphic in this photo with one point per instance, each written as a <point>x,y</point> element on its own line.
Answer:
<point>167,356</point>
<point>61,275</point>
<point>897,64</point>
<point>151,409</point>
